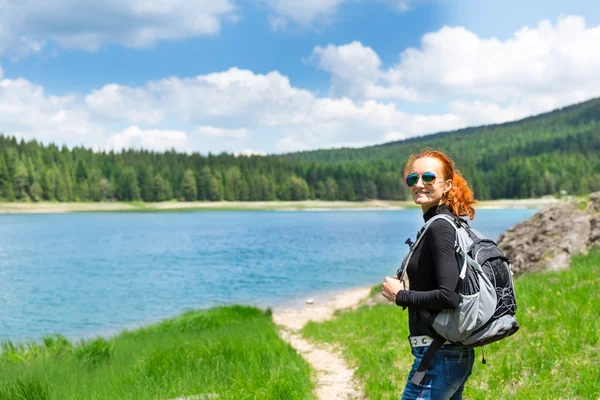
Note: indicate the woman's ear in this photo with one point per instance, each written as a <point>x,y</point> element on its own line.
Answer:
<point>447,186</point>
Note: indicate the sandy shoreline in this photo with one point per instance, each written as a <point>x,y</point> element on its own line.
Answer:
<point>308,205</point>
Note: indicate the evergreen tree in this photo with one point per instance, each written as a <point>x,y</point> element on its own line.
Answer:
<point>36,192</point>
<point>369,190</point>
<point>234,189</point>
<point>160,189</point>
<point>128,186</point>
<point>61,190</point>
<point>107,189</point>
<point>320,190</point>
<point>266,188</point>
<point>298,188</point>
<point>6,185</point>
<point>48,184</point>
<point>204,184</point>
<point>146,183</point>
<point>190,189</point>
<point>21,181</point>
<point>215,190</point>
<point>95,189</point>
<point>347,190</point>
<point>331,189</point>
<point>81,173</point>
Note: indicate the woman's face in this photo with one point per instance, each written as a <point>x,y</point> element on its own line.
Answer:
<point>428,195</point>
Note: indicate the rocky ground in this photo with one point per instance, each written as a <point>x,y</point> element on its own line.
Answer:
<point>549,238</point>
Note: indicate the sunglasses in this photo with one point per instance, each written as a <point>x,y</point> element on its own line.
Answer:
<point>428,178</point>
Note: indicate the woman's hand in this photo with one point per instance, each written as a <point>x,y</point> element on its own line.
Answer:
<point>391,287</point>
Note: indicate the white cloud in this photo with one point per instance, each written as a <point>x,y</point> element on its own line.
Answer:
<point>158,140</point>
<point>249,152</point>
<point>309,13</point>
<point>291,144</point>
<point>234,97</point>
<point>352,67</point>
<point>546,59</point>
<point>26,111</point>
<point>394,136</point>
<point>485,80</point>
<point>304,12</point>
<point>220,110</point>
<point>278,23</point>
<point>401,5</point>
<point>124,103</point>
<point>270,107</point>
<point>238,110</point>
<point>479,112</point>
<point>343,122</point>
<point>356,72</point>
<point>222,132</point>
<point>26,25</point>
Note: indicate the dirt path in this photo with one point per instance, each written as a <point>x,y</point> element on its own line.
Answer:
<point>335,379</point>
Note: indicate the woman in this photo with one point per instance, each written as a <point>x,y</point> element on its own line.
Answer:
<point>433,274</point>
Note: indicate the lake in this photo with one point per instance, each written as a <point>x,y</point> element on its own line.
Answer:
<point>83,275</point>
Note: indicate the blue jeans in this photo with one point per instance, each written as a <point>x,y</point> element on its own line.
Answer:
<point>445,379</point>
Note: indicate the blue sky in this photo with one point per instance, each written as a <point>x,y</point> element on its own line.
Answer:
<point>272,76</point>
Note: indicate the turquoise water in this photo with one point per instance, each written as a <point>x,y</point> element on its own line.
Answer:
<point>84,275</point>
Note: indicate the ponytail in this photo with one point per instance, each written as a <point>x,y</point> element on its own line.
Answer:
<point>460,197</point>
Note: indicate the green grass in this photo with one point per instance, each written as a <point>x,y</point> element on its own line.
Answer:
<point>226,353</point>
<point>555,355</point>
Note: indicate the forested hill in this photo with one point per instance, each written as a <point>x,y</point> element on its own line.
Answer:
<point>533,157</point>
<point>539,155</point>
<point>513,135</point>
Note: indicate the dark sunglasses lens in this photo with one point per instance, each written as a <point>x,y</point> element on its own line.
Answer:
<point>411,179</point>
<point>428,177</point>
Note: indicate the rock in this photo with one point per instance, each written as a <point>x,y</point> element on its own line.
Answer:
<point>594,240</point>
<point>594,205</point>
<point>548,239</point>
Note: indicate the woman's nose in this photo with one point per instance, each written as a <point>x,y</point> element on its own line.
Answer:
<point>420,182</point>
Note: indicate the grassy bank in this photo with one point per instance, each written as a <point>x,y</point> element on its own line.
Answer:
<point>555,355</point>
<point>224,353</point>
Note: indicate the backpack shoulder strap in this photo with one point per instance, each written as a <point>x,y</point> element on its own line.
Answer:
<point>464,242</point>
<point>420,235</point>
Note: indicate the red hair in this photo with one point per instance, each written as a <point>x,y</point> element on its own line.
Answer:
<point>460,198</point>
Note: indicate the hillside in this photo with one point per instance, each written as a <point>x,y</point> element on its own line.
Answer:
<point>531,157</point>
<point>531,130</point>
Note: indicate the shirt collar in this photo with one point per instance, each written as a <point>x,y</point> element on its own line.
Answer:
<point>440,209</point>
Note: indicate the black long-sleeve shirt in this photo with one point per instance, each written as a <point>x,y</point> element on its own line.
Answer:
<point>433,271</point>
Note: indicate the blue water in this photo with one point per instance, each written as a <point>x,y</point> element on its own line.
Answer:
<point>83,275</point>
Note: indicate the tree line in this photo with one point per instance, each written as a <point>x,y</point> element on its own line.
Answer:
<point>30,171</point>
<point>542,155</point>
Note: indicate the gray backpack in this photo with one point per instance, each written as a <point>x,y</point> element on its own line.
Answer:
<point>487,307</point>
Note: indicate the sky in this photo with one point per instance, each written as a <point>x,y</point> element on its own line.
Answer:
<point>276,76</point>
